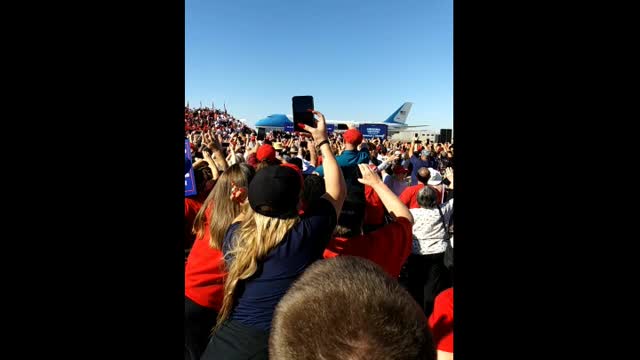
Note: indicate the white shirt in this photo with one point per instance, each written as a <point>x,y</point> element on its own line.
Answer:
<point>428,232</point>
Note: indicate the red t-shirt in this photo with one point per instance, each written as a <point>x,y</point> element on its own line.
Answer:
<point>441,321</point>
<point>409,196</point>
<point>374,211</point>
<point>191,208</point>
<point>388,246</point>
<point>204,273</point>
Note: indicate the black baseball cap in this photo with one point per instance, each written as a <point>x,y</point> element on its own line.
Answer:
<point>275,192</point>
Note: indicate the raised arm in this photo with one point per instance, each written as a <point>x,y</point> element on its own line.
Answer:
<point>388,198</point>
<point>313,157</point>
<point>413,143</point>
<point>334,182</point>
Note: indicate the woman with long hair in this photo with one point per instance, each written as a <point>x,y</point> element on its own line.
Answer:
<point>205,270</point>
<point>267,251</point>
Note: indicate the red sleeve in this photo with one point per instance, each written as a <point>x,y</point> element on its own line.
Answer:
<point>441,321</point>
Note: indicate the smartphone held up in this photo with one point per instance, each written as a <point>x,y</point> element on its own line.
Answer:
<point>301,114</point>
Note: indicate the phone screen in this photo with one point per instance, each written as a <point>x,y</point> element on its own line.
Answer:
<point>300,106</point>
<point>261,133</point>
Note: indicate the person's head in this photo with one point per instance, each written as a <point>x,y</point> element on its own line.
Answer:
<point>351,216</point>
<point>427,198</point>
<point>399,172</point>
<point>424,155</point>
<point>352,138</point>
<point>202,176</point>
<point>266,153</point>
<point>296,161</point>
<point>274,195</point>
<point>223,210</point>
<point>352,310</point>
<point>313,189</point>
<point>373,152</point>
<point>423,175</point>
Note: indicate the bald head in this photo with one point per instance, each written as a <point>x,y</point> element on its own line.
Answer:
<point>423,175</point>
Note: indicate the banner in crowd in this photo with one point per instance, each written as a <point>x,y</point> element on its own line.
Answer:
<point>370,131</point>
<point>189,181</point>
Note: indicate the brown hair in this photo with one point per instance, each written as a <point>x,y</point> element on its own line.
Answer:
<point>265,163</point>
<point>349,308</point>
<point>225,210</point>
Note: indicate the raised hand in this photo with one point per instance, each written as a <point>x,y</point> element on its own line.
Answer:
<point>368,177</point>
<point>319,133</point>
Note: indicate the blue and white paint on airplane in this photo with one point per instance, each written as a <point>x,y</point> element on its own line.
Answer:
<point>396,122</point>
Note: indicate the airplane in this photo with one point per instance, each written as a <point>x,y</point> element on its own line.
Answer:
<point>396,122</point>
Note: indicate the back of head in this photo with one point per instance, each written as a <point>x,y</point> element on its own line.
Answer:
<point>313,189</point>
<point>296,161</point>
<point>427,198</point>
<point>352,214</point>
<point>349,308</point>
<point>423,175</point>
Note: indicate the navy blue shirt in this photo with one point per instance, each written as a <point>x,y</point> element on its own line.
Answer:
<point>417,164</point>
<point>257,297</point>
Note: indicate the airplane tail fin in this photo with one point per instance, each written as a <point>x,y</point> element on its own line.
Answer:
<point>400,116</point>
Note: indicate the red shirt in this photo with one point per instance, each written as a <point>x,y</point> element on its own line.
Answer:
<point>191,208</point>
<point>409,196</point>
<point>204,273</point>
<point>441,321</point>
<point>388,246</point>
<point>374,211</point>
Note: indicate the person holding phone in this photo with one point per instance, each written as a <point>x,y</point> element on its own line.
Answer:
<point>270,248</point>
<point>417,161</point>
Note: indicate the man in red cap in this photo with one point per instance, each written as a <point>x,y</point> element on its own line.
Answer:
<point>350,157</point>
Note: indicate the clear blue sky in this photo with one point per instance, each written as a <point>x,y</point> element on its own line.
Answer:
<point>359,59</point>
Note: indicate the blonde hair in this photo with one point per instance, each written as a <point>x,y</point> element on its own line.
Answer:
<point>224,210</point>
<point>256,237</point>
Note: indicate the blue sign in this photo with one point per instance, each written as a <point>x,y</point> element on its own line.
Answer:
<point>370,131</point>
<point>288,128</point>
<point>189,180</point>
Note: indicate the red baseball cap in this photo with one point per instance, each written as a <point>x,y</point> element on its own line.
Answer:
<point>399,169</point>
<point>352,136</point>
<point>266,152</point>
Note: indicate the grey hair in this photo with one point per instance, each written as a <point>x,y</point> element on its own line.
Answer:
<point>427,198</point>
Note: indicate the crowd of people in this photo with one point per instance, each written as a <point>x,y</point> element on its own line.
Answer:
<point>311,245</point>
